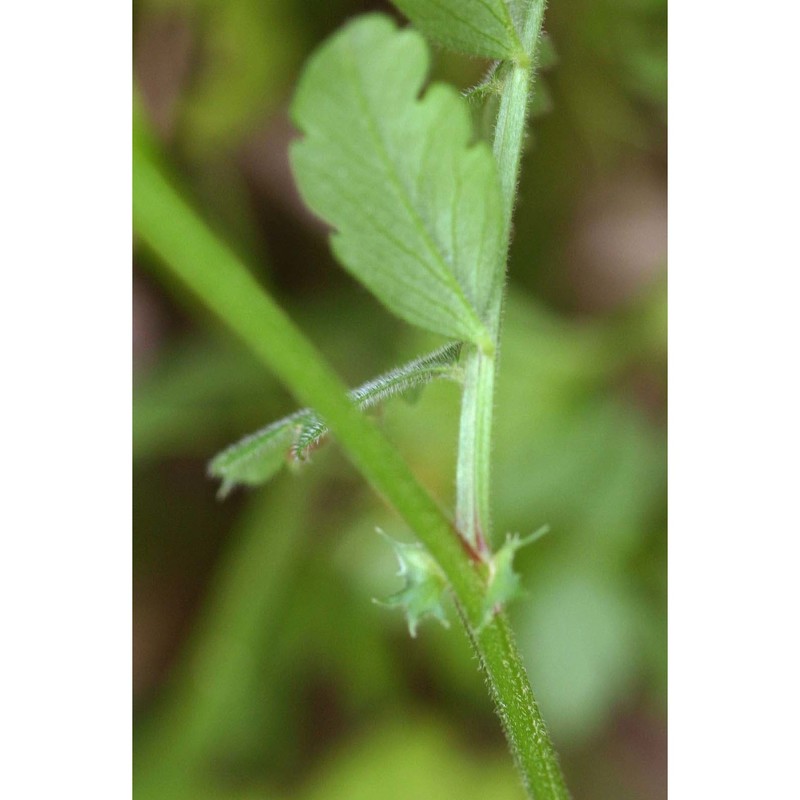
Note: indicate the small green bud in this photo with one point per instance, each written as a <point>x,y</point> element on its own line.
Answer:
<point>504,584</point>
<point>426,585</point>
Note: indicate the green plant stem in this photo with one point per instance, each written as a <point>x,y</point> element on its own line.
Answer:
<point>524,726</point>
<point>526,732</point>
<point>512,116</point>
<point>474,451</point>
<point>473,513</point>
<point>245,604</point>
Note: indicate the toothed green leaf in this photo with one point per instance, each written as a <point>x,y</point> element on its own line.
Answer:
<point>415,206</point>
<point>504,584</point>
<point>425,589</point>
<point>257,457</point>
<point>476,27</point>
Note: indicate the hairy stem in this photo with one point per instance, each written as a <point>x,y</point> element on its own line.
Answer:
<point>474,443</point>
<point>523,723</point>
<point>530,742</point>
<point>473,516</point>
<point>509,132</point>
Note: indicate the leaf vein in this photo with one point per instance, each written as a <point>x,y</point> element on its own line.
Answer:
<point>402,190</point>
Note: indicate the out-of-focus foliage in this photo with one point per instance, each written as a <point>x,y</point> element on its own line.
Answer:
<point>262,667</point>
<point>243,51</point>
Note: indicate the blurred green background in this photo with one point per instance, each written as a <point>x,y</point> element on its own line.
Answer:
<point>261,667</point>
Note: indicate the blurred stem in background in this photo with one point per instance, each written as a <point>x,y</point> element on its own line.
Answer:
<point>246,604</point>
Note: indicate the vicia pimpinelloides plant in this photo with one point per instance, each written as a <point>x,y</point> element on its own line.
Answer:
<point>420,209</point>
